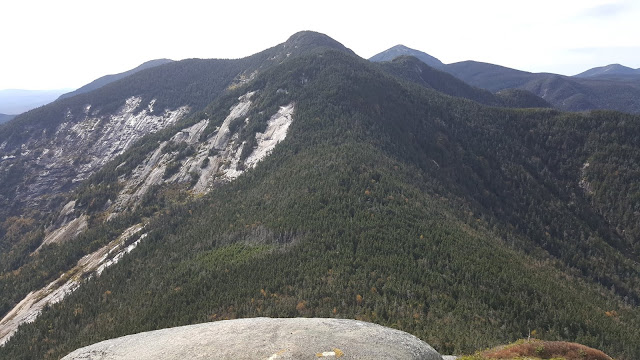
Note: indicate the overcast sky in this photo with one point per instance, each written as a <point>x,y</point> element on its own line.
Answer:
<point>68,43</point>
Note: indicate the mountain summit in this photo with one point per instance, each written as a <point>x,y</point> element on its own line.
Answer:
<point>613,69</point>
<point>305,42</point>
<point>401,50</point>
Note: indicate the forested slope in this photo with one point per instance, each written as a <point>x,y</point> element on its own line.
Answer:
<point>411,69</point>
<point>107,79</point>
<point>465,225</point>
<point>569,93</point>
<point>45,153</point>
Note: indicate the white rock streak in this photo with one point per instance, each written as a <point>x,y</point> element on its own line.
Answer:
<point>87,140</point>
<point>67,232</point>
<point>221,139</point>
<point>117,134</point>
<point>84,143</point>
<point>120,131</point>
<point>30,307</point>
<point>276,131</point>
<point>218,158</point>
<point>584,183</point>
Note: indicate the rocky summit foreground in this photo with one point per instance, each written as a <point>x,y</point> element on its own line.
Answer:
<point>264,338</point>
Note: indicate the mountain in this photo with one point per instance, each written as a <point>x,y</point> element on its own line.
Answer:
<point>304,181</point>
<point>613,69</point>
<point>489,76</point>
<point>98,126</point>
<point>15,101</point>
<point>401,50</point>
<point>612,87</point>
<point>563,92</point>
<point>107,79</point>
<point>4,118</point>
<point>414,70</point>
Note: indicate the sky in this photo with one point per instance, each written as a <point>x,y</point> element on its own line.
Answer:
<point>68,43</point>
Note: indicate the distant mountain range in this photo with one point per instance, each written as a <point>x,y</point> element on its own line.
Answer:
<point>613,87</point>
<point>17,101</point>
<point>4,118</point>
<point>411,69</point>
<point>107,79</point>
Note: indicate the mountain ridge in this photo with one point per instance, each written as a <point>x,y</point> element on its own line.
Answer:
<point>107,79</point>
<point>612,87</point>
<point>18,101</point>
<point>159,88</point>
<point>563,92</point>
<point>126,119</point>
<point>611,69</point>
<point>414,70</point>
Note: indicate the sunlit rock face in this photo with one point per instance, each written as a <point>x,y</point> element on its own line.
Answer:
<point>92,264</point>
<point>213,160</point>
<point>265,338</point>
<point>82,144</point>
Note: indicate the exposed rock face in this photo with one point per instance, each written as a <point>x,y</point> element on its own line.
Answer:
<point>81,145</point>
<point>92,264</point>
<point>264,338</point>
<point>276,131</point>
<point>214,159</point>
<point>66,232</point>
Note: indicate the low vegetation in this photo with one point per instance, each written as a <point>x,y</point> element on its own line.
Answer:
<point>533,349</point>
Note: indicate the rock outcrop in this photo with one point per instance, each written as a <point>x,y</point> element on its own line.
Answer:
<point>264,338</point>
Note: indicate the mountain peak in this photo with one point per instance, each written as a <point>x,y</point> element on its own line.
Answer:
<point>308,35</point>
<point>402,50</point>
<point>311,41</point>
<point>400,47</point>
<point>611,69</point>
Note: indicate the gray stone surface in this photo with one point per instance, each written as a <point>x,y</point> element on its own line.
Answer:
<point>264,338</point>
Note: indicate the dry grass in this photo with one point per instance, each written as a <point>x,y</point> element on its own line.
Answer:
<point>537,349</point>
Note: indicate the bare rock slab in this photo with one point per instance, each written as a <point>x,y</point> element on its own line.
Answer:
<point>264,338</point>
